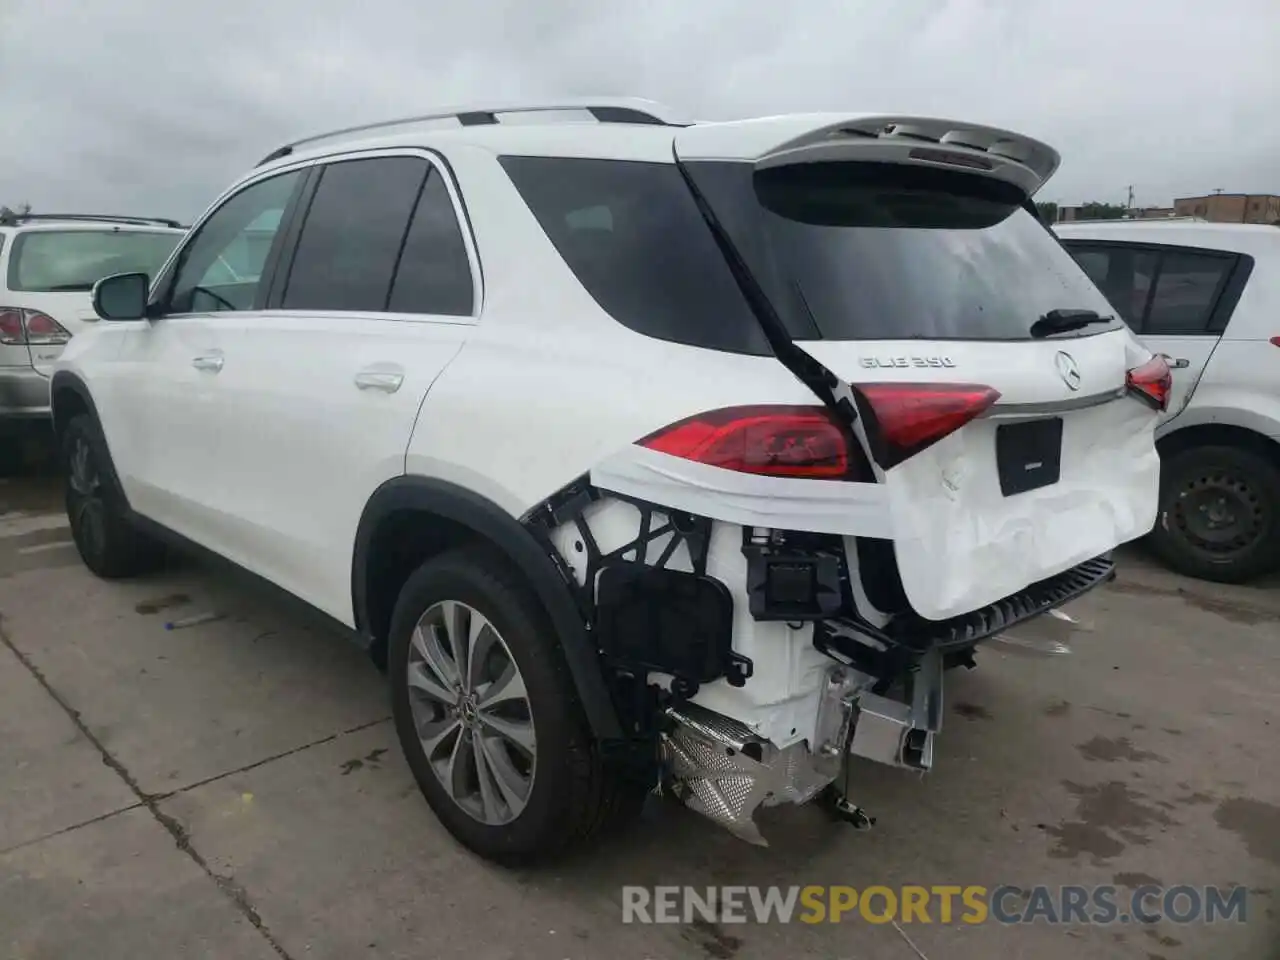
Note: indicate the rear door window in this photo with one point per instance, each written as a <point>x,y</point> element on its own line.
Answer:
<point>352,235</point>
<point>632,234</point>
<point>434,273</point>
<point>1160,291</point>
<point>1187,287</point>
<point>870,251</point>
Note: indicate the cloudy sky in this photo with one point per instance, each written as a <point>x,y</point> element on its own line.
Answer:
<point>152,107</point>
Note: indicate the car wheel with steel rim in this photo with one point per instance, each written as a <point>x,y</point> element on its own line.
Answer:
<point>488,717</point>
<point>108,543</point>
<point>1219,514</point>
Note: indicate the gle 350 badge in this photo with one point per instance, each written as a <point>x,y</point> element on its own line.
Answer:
<point>882,362</point>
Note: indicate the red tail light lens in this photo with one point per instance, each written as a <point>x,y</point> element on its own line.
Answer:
<point>774,441</point>
<point>11,329</point>
<point>42,328</point>
<point>30,326</point>
<point>1151,382</point>
<point>911,417</point>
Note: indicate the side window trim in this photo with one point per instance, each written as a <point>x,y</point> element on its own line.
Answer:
<point>162,288</point>
<point>439,166</point>
<point>286,241</point>
<point>1153,285</point>
<point>404,240</point>
<point>1107,247</point>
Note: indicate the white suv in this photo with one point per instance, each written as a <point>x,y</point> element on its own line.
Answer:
<point>644,455</point>
<point>1208,296</point>
<point>48,265</point>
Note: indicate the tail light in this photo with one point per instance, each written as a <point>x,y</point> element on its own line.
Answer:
<point>910,417</point>
<point>42,328</point>
<point>20,327</point>
<point>11,329</point>
<point>769,440</point>
<point>1151,382</point>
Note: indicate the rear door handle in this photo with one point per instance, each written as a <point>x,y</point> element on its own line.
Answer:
<point>208,361</point>
<point>379,378</point>
<point>1176,363</point>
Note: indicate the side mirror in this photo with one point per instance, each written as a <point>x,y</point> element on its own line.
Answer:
<point>121,297</point>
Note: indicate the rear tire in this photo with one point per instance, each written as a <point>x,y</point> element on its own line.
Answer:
<point>108,542</point>
<point>1219,516</point>
<point>516,779</point>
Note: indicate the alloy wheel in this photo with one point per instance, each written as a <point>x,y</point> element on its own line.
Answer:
<point>471,712</point>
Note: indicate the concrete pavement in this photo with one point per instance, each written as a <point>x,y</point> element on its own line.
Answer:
<point>233,789</point>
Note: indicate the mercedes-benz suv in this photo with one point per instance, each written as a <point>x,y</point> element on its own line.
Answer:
<point>643,454</point>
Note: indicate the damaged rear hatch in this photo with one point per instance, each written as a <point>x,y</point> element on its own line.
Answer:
<point>1007,414</point>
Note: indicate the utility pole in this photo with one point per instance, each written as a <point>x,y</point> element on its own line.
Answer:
<point>1129,205</point>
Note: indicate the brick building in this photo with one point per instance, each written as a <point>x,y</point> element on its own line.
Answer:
<point>1231,207</point>
<point>1068,213</point>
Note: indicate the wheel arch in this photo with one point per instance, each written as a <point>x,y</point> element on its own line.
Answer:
<point>68,396</point>
<point>444,515</point>
<point>1219,434</point>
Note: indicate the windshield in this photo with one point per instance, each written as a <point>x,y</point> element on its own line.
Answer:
<point>864,251</point>
<point>45,261</point>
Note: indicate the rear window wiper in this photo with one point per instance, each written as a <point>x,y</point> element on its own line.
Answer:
<point>1061,321</point>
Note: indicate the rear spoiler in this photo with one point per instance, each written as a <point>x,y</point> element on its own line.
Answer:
<point>807,138</point>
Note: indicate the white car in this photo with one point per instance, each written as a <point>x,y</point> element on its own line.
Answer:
<point>645,455</point>
<point>48,265</point>
<point>1208,296</point>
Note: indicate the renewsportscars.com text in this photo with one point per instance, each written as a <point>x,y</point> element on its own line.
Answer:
<point>945,904</point>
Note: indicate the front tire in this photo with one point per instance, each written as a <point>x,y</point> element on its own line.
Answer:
<point>1219,515</point>
<point>108,543</point>
<point>488,717</point>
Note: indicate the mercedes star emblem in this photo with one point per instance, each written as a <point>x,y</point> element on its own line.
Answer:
<point>1067,370</point>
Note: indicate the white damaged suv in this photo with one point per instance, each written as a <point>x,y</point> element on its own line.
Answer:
<point>643,454</point>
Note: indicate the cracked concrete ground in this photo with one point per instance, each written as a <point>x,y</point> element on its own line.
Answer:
<point>233,789</point>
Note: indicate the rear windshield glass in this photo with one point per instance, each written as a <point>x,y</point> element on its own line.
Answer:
<point>45,261</point>
<point>634,237</point>
<point>862,251</point>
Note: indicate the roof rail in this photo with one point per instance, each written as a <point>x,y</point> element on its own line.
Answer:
<point>101,218</point>
<point>604,109</point>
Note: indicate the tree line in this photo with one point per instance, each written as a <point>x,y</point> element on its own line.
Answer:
<point>1088,211</point>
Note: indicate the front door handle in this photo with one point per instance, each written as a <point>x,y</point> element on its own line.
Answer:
<point>388,381</point>
<point>209,361</point>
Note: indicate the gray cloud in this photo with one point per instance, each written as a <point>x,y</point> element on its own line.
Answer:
<point>149,107</point>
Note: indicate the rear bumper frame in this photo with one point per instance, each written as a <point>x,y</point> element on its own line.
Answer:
<point>890,652</point>
<point>970,628</point>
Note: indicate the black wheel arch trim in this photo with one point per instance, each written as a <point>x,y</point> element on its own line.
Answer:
<point>521,547</point>
<point>66,380</point>
<point>63,381</point>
